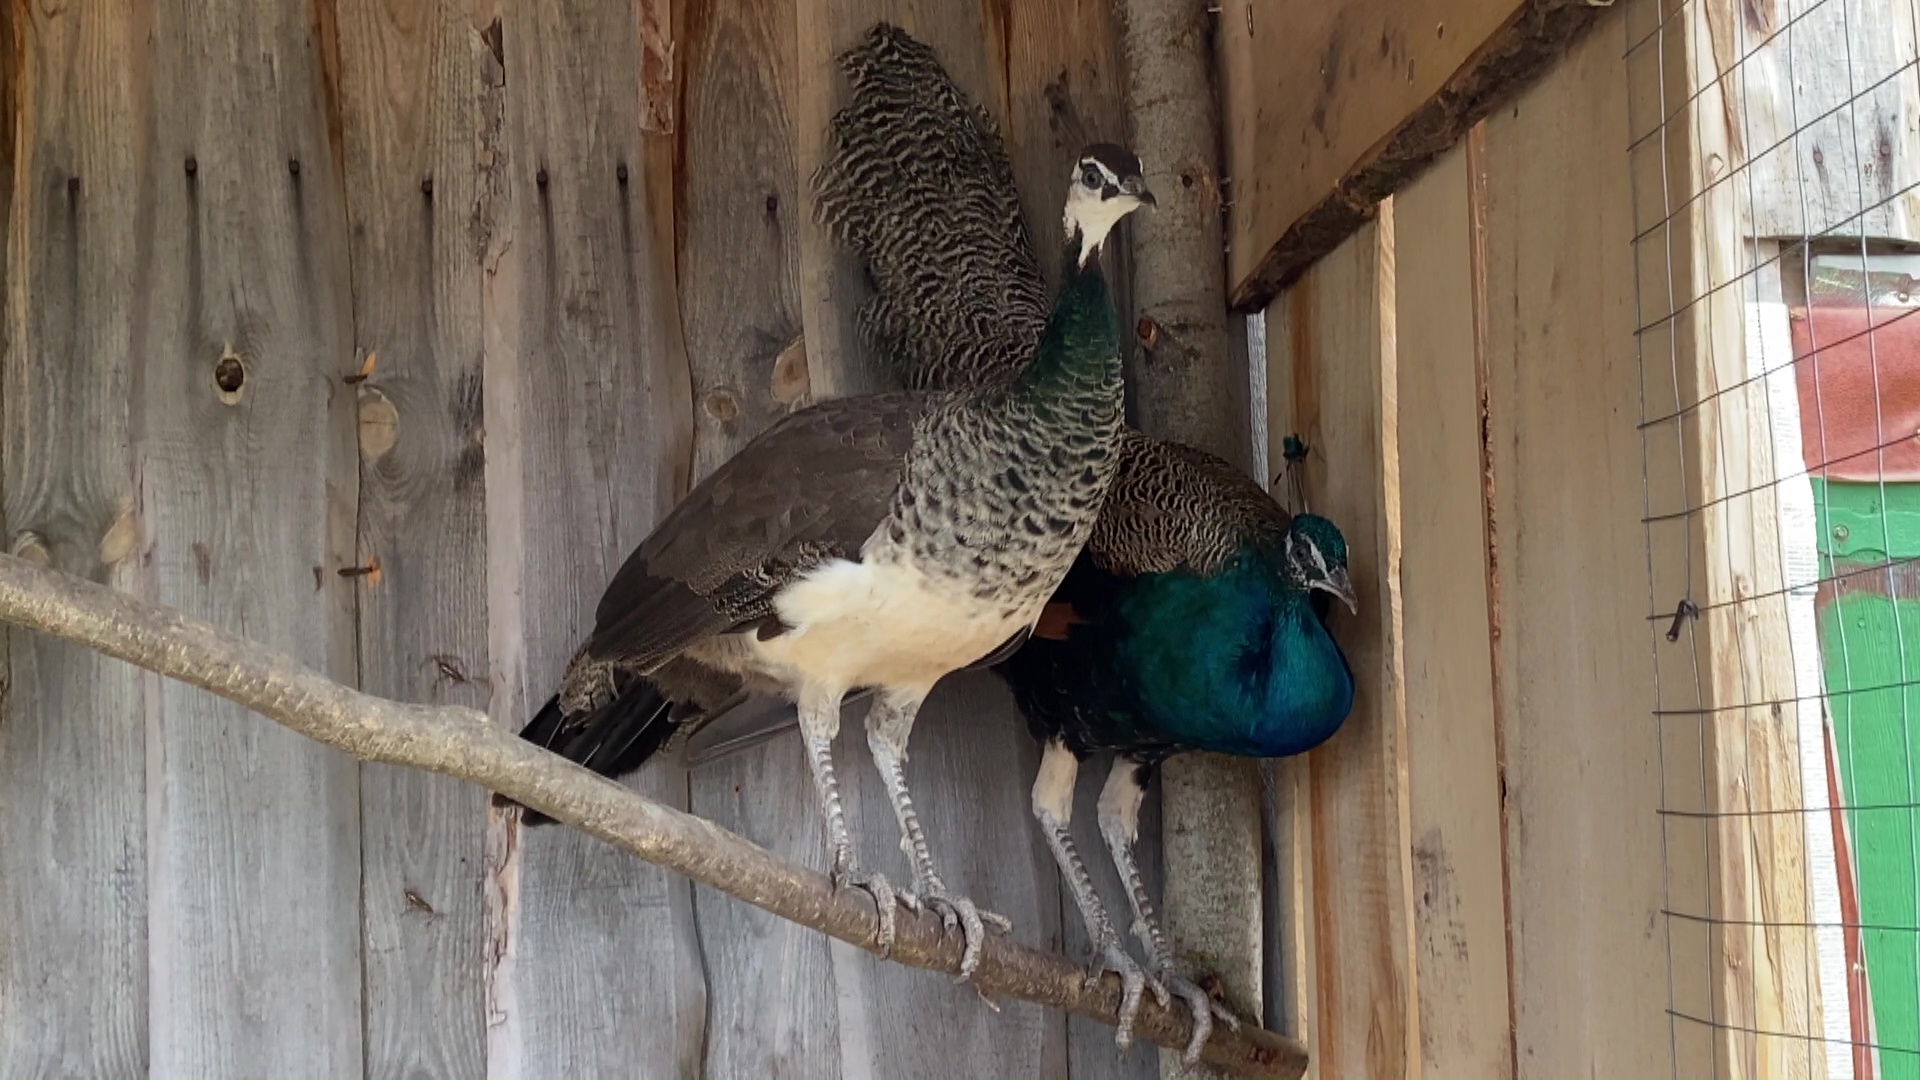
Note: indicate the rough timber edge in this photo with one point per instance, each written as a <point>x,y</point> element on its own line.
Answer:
<point>1524,48</point>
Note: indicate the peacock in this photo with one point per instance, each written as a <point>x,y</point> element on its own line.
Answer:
<point>1195,589</point>
<point>876,542</point>
<point>1196,617</point>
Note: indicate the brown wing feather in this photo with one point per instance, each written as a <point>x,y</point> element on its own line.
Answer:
<point>812,487</point>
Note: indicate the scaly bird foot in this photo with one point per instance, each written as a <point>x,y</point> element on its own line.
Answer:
<point>1205,1009</point>
<point>958,911</point>
<point>1134,983</point>
<point>884,898</point>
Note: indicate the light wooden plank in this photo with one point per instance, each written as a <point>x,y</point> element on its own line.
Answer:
<point>244,449</point>
<point>1453,752</point>
<point>1765,974</point>
<point>1576,677</point>
<point>593,965</point>
<point>73,891</point>
<point>1337,371</point>
<point>1289,963</point>
<point>738,234</point>
<point>420,89</point>
<point>1330,108</point>
<point>973,762</point>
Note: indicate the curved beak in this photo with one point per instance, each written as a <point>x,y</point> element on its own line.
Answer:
<point>1340,584</point>
<point>1137,187</point>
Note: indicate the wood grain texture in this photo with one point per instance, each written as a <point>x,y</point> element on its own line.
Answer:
<point>1332,107</point>
<point>1821,106</point>
<point>973,761</point>
<point>1576,678</point>
<point>1453,753</point>
<point>594,967</point>
<point>1766,976</point>
<point>421,101</point>
<point>737,229</point>
<point>1338,370</point>
<point>247,474</point>
<point>73,878</point>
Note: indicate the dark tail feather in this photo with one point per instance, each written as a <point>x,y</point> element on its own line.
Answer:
<point>612,740</point>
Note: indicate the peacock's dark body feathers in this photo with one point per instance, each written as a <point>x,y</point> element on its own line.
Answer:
<point>1179,626</point>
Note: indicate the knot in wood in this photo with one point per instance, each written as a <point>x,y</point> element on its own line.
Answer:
<point>229,377</point>
<point>722,404</point>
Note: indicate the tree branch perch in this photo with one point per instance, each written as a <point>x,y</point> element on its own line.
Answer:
<point>462,743</point>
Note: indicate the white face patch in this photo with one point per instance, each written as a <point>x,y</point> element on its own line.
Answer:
<point>1089,214</point>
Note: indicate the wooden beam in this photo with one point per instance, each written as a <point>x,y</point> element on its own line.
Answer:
<point>1453,744</point>
<point>1582,770</point>
<point>1714,488</point>
<point>409,131</point>
<point>1332,379</point>
<point>1331,108</point>
<point>589,443</point>
<point>73,758</point>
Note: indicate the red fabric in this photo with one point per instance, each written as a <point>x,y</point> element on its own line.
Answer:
<point>1840,426</point>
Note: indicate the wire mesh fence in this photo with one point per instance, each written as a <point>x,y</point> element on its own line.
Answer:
<point>1776,162</point>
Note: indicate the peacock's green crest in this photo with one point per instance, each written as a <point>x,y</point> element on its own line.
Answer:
<point>1324,535</point>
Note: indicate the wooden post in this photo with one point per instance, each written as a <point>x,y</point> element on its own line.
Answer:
<point>1186,387</point>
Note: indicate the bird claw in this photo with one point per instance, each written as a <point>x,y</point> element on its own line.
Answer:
<point>1134,983</point>
<point>884,898</point>
<point>1205,1009</point>
<point>958,912</point>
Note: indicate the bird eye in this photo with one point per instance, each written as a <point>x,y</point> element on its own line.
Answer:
<point>1090,176</point>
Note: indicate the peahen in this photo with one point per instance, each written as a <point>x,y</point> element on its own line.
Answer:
<point>882,541</point>
<point>915,167</point>
<point>1195,617</point>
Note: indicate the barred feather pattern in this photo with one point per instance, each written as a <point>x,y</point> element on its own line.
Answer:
<point>917,183</point>
<point>1174,507</point>
<point>999,498</point>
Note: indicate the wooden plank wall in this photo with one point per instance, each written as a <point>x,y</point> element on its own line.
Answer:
<point>1483,838</point>
<point>380,330</point>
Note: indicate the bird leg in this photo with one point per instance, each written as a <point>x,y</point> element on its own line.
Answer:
<point>1120,826</point>
<point>1053,809</point>
<point>819,723</point>
<point>889,722</point>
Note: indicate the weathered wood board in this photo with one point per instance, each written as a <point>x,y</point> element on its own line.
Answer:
<point>421,100</point>
<point>73,813</point>
<point>1818,111</point>
<point>247,473</point>
<point>1572,649</point>
<point>593,965</point>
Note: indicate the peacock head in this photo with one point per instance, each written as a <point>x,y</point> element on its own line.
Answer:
<point>1317,556</point>
<point>1107,185</point>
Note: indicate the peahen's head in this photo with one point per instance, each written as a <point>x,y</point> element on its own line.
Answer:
<point>1317,558</point>
<point>1107,185</point>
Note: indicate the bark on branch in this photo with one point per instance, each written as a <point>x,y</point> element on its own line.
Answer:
<point>461,743</point>
<point>1188,388</point>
